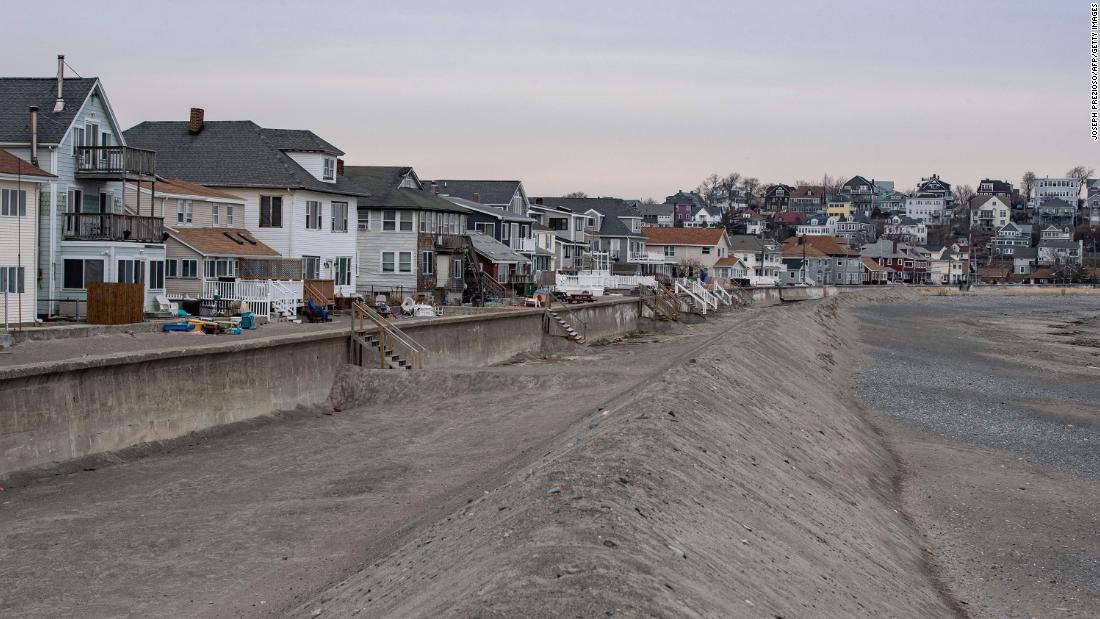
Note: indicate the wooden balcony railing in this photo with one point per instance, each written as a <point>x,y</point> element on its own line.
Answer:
<point>113,162</point>
<point>450,241</point>
<point>113,227</point>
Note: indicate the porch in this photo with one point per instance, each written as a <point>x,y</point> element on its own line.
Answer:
<point>115,163</point>
<point>264,297</point>
<point>113,227</point>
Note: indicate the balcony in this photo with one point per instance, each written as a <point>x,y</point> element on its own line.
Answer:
<point>113,227</point>
<point>652,256</point>
<point>450,242</point>
<point>115,163</point>
<point>522,245</point>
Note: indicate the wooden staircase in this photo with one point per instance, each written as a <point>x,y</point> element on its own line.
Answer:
<point>367,350</point>
<point>570,332</point>
<point>664,304</point>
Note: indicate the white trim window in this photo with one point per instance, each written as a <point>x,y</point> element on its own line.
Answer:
<point>216,215</point>
<point>271,211</point>
<point>189,268</point>
<point>427,263</point>
<point>13,203</point>
<point>311,267</point>
<point>406,221</point>
<point>220,267</point>
<point>184,212</point>
<point>130,271</point>
<point>339,216</point>
<point>13,280</point>
<point>156,274</point>
<point>388,262</point>
<point>342,270</point>
<point>79,272</point>
<point>229,215</point>
<point>313,214</point>
<point>171,270</point>
<point>404,262</point>
<point>670,251</point>
<point>329,171</point>
<point>363,223</point>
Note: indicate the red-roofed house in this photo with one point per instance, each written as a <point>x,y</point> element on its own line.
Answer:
<point>19,190</point>
<point>688,249</point>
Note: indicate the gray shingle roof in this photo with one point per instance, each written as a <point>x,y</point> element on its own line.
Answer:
<point>611,209</point>
<point>494,250</point>
<point>236,153</point>
<point>1058,243</point>
<point>494,211</point>
<point>489,192</point>
<point>745,242</point>
<point>384,185</point>
<point>17,94</point>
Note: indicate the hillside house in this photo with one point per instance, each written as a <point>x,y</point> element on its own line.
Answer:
<point>688,251</point>
<point>905,229</point>
<point>807,199</point>
<point>989,212</point>
<point>862,192</point>
<point>570,240</point>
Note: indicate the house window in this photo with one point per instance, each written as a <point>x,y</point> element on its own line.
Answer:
<point>12,279</point>
<point>220,267</point>
<point>189,269</point>
<point>505,231</point>
<point>364,220</point>
<point>156,274</point>
<point>706,251</point>
<point>184,211</point>
<point>502,273</point>
<point>406,221</point>
<point>229,215</point>
<point>387,262</point>
<point>670,250</point>
<point>339,216</point>
<point>427,263</point>
<point>172,269</point>
<point>78,139</point>
<point>313,215</point>
<point>311,267</point>
<point>216,215</point>
<point>456,268</point>
<point>13,203</point>
<point>330,169</point>
<point>484,228</point>
<point>79,273</point>
<point>404,262</point>
<point>343,270</point>
<point>389,220</point>
<point>271,211</point>
<point>130,272</point>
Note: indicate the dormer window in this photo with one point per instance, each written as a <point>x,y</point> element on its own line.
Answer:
<point>330,169</point>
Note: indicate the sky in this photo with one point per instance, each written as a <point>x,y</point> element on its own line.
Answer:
<point>617,98</point>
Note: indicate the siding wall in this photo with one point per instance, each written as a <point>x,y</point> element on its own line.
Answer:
<point>314,163</point>
<point>293,240</point>
<point>179,287</point>
<point>18,246</point>
<point>371,244</point>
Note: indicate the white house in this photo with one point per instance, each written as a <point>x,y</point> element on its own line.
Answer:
<point>296,199</point>
<point>927,207</point>
<point>989,212</point>
<point>818,224</point>
<point>20,187</point>
<point>907,229</point>
<point>1067,189</point>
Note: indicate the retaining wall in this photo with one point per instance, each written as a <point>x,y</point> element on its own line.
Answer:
<point>52,412</point>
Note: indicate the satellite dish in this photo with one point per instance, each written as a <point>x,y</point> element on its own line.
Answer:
<point>407,305</point>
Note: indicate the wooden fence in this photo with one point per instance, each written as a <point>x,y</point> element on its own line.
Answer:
<point>115,304</point>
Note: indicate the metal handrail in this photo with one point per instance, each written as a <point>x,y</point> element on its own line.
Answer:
<point>363,311</point>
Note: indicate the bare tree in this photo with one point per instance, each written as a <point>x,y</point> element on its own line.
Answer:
<point>1027,183</point>
<point>576,194</point>
<point>708,189</point>
<point>832,184</point>
<point>749,185</point>
<point>1081,174</point>
<point>728,186</point>
<point>649,201</point>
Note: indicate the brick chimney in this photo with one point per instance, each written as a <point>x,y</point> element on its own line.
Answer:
<point>194,125</point>
<point>339,167</point>
<point>435,188</point>
<point>477,197</point>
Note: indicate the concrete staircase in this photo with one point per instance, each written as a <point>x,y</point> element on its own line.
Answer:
<point>368,354</point>
<point>570,332</point>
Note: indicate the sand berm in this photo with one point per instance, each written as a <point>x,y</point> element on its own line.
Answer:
<point>743,482</point>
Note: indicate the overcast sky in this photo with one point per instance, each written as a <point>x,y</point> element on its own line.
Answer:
<point>625,98</point>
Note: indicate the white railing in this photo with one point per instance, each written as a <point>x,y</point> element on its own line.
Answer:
<point>699,289</point>
<point>521,244</point>
<point>701,304</point>
<point>652,256</point>
<point>263,297</point>
<point>722,294</point>
<point>598,282</point>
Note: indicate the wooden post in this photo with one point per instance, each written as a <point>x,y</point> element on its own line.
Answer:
<point>381,348</point>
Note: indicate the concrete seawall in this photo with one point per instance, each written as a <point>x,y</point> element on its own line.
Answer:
<point>53,412</point>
